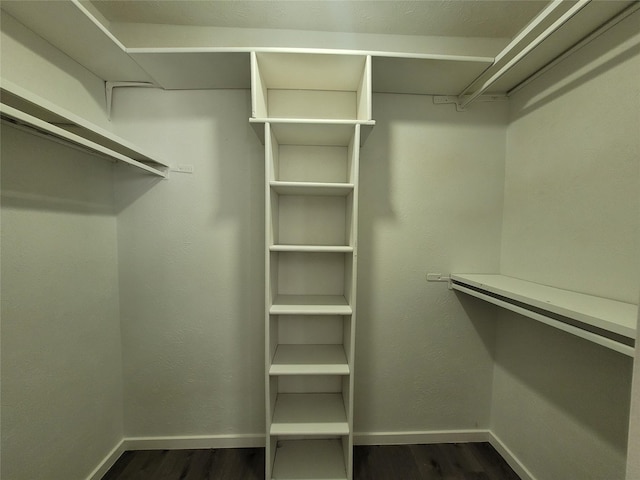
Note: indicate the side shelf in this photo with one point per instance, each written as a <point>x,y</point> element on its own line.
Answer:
<point>38,115</point>
<point>606,322</point>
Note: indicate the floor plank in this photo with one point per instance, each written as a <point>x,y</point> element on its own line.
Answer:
<point>450,461</point>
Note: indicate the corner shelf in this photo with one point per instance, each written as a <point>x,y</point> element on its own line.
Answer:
<point>606,322</point>
<point>27,110</point>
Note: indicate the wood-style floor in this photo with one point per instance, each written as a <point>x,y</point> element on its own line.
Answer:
<point>451,461</point>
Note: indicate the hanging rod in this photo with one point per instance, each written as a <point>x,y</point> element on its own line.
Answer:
<point>630,10</point>
<point>522,51</point>
<point>53,132</point>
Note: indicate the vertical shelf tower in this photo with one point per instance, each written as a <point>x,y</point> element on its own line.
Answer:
<point>316,109</point>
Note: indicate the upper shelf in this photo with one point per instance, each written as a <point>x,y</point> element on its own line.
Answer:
<point>607,322</point>
<point>21,107</point>
<point>187,57</point>
<point>319,86</point>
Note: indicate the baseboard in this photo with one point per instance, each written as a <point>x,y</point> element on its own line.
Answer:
<point>258,440</point>
<point>510,458</point>
<point>250,440</point>
<point>107,462</point>
<point>420,437</point>
<point>359,438</point>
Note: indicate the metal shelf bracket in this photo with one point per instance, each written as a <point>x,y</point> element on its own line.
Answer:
<point>459,101</point>
<point>109,86</point>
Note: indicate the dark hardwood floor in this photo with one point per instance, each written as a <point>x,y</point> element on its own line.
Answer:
<point>451,461</point>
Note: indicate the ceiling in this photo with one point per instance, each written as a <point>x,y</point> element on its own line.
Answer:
<point>456,18</point>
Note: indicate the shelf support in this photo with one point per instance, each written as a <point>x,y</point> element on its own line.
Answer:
<point>457,101</point>
<point>109,86</point>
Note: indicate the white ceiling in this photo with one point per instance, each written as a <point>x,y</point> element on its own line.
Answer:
<point>457,18</point>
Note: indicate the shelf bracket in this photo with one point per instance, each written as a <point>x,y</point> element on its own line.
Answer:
<point>459,101</point>
<point>109,86</point>
<point>438,277</point>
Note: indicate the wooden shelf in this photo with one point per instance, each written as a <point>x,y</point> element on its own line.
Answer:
<point>309,459</point>
<point>310,305</point>
<point>313,131</point>
<point>309,414</point>
<point>312,248</point>
<point>309,360</point>
<point>312,188</point>
<point>29,111</point>
<point>607,322</point>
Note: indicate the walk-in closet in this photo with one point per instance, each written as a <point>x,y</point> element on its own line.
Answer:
<point>284,235</point>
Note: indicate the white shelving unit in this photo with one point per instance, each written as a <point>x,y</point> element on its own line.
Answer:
<point>309,109</point>
<point>606,322</point>
<point>27,110</point>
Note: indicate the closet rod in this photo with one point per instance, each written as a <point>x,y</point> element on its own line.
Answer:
<point>41,128</point>
<point>525,50</point>
<point>585,334</point>
<point>630,10</point>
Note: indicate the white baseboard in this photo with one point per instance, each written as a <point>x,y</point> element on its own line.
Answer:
<point>359,438</point>
<point>199,441</point>
<point>510,458</point>
<point>420,437</point>
<point>107,462</point>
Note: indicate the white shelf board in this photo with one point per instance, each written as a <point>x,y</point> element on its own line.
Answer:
<point>81,33</point>
<point>48,130</point>
<point>52,119</point>
<point>313,131</point>
<point>309,360</point>
<point>312,188</point>
<point>608,316</point>
<point>309,459</point>
<point>312,248</point>
<point>310,305</point>
<point>309,414</point>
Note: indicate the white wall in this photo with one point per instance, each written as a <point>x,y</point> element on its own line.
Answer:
<point>61,354</point>
<point>191,266</point>
<point>430,201</point>
<point>571,220</point>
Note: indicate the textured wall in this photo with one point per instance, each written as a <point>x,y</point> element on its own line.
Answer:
<point>61,355</point>
<point>571,220</point>
<point>430,201</point>
<point>191,266</point>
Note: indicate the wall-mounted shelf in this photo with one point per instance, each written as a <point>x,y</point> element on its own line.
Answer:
<point>603,321</point>
<point>38,115</point>
<point>310,305</point>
